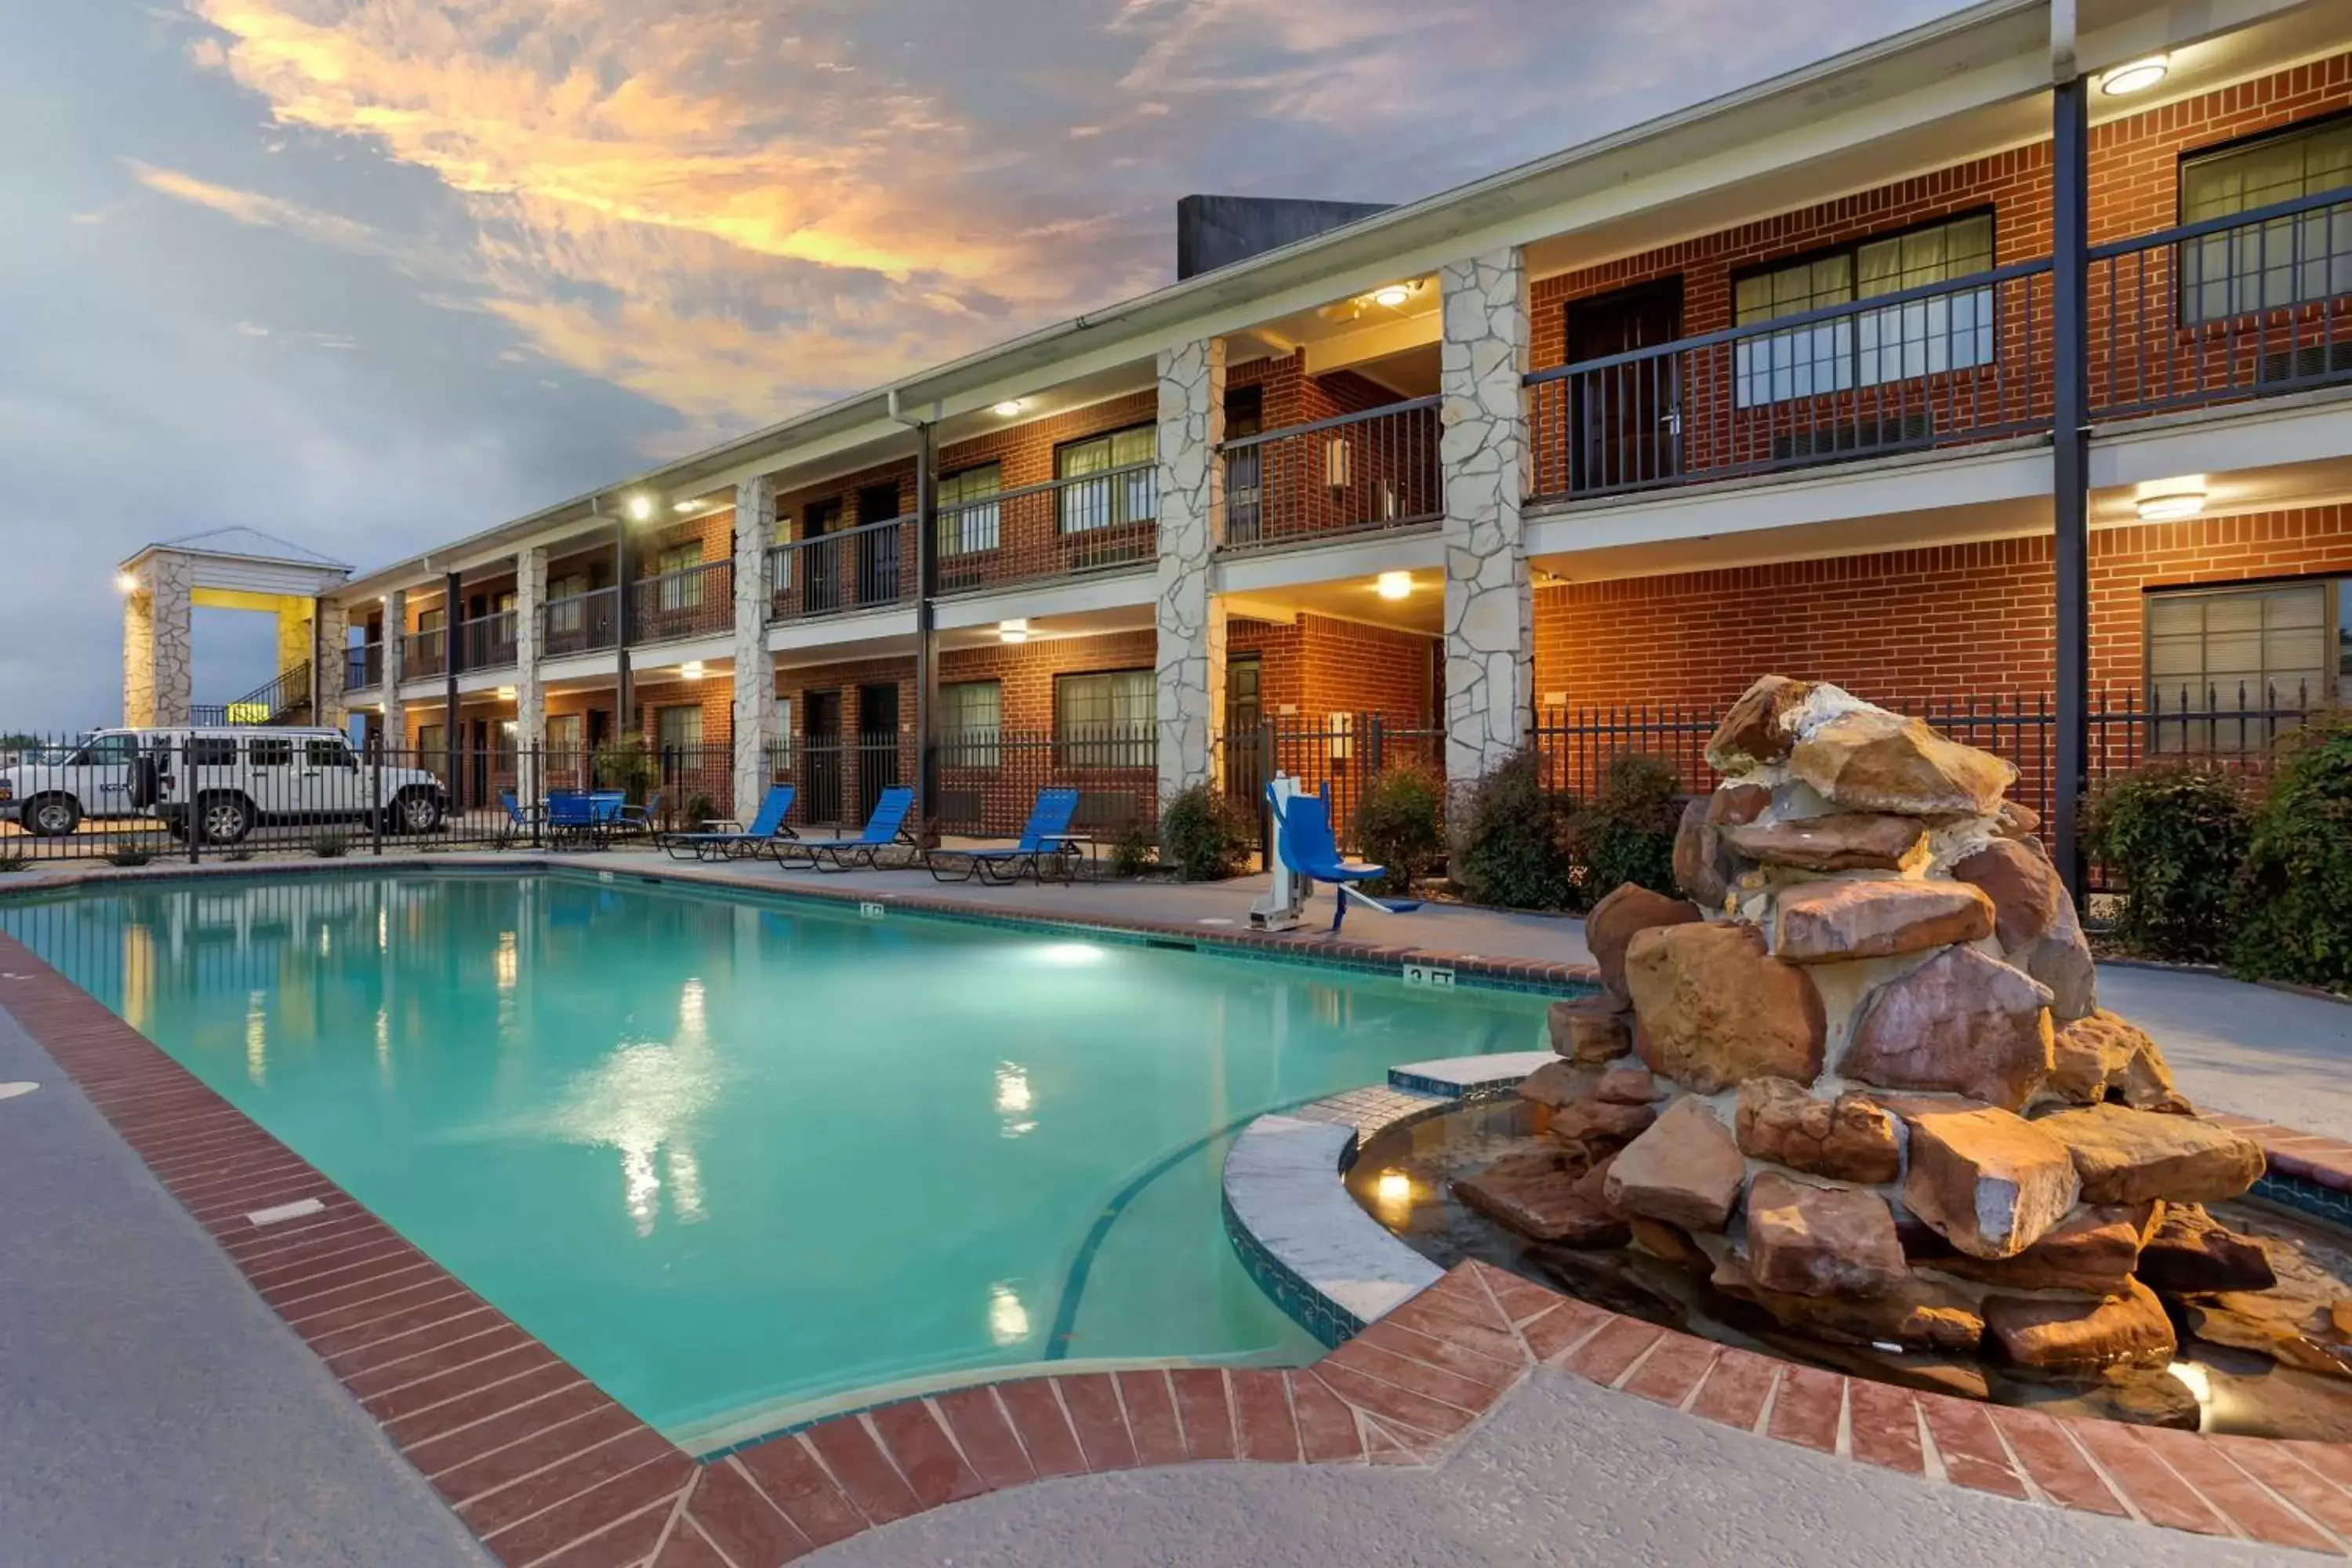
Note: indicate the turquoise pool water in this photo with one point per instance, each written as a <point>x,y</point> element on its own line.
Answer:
<point>730,1158</point>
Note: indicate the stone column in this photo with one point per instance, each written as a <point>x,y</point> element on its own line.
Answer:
<point>157,670</point>
<point>335,620</point>
<point>755,670</point>
<point>395,668</point>
<point>293,633</point>
<point>1489,606</point>
<point>531,690</point>
<point>1190,699</point>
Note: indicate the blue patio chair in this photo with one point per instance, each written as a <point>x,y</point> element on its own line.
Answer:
<point>1307,847</point>
<point>884,828</point>
<point>571,821</point>
<point>1048,835</point>
<point>520,819</point>
<point>638,821</point>
<point>724,839</point>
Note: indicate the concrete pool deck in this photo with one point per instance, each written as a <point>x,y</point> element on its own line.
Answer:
<point>1558,1469</point>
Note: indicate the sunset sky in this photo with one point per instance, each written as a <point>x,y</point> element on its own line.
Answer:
<point>373,274</point>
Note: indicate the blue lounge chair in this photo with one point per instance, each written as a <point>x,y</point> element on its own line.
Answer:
<point>1048,834</point>
<point>638,821</point>
<point>886,828</point>
<point>1308,849</point>
<point>520,819</point>
<point>726,840</point>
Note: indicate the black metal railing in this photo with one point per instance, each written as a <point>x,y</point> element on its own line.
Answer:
<point>867,567</point>
<point>581,623</point>
<point>363,666</point>
<point>274,701</point>
<point>2252,305</point>
<point>1340,757</point>
<point>1351,474</point>
<point>487,642</point>
<point>1063,528</point>
<point>425,653</point>
<point>698,602</point>
<point>989,779</point>
<point>1937,365</point>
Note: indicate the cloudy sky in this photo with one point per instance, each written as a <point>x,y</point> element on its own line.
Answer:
<point>371,274</point>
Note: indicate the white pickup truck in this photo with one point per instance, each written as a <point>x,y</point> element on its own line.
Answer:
<point>228,781</point>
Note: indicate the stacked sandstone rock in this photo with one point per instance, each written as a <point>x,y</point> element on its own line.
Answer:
<point>1861,1077</point>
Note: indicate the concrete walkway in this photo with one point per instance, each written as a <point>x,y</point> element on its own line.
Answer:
<point>2284,1057</point>
<point>153,1409</point>
<point>1563,1472</point>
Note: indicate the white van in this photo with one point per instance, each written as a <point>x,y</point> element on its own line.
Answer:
<point>230,779</point>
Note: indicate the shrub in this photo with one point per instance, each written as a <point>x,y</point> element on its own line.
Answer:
<point>1132,850</point>
<point>1204,835</point>
<point>331,846</point>
<point>1627,833</point>
<point>701,809</point>
<point>1400,823</point>
<point>129,855</point>
<point>241,853</point>
<point>1510,833</point>
<point>2177,837</point>
<point>9,863</point>
<point>626,766</point>
<point>2296,915</point>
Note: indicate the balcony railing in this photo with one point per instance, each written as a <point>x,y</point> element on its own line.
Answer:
<point>581,623</point>
<point>487,642</point>
<point>862,568</point>
<point>425,653</point>
<point>363,666</point>
<point>698,602</point>
<point>2251,305</point>
<point>1937,365</point>
<point>1064,527</point>
<point>1349,475</point>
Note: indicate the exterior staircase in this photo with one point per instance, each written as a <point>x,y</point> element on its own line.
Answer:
<point>285,699</point>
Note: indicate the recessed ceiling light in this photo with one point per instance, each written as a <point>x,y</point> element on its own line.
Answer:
<point>1008,408</point>
<point>690,670</point>
<point>2137,76</point>
<point>1394,584</point>
<point>2172,504</point>
<point>1013,631</point>
<point>640,507</point>
<point>1393,295</point>
<point>692,503</point>
<point>1014,637</point>
<point>506,694</point>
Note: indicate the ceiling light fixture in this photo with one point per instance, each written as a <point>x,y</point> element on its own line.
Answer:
<point>506,693</point>
<point>640,507</point>
<point>125,583</point>
<point>2137,76</point>
<point>692,503</point>
<point>690,670</point>
<point>1394,584</point>
<point>1013,631</point>
<point>1393,295</point>
<point>2172,505</point>
<point>1008,408</point>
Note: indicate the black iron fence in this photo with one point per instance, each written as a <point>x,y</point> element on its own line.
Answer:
<point>866,567</point>
<point>582,622</point>
<point>1362,471</point>
<point>1341,758</point>
<point>698,602</point>
<point>989,779</point>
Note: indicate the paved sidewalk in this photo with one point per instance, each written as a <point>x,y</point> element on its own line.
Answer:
<point>153,1409</point>
<point>2269,1054</point>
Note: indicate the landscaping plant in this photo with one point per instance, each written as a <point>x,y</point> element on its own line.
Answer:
<point>1400,823</point>
<point>626,764</point>
<point>2295,913</point>
<point>128,854</point>
<point>2175,836</point>
<point>331,846</point>
<point>14,863</point>
<point>1509,839</point>
<point>1132,850</point>
<point>1627,833</point>
<point>1204,835</point>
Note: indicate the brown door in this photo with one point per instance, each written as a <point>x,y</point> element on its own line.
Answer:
<point>1625,418</point>
<point>877,549</point>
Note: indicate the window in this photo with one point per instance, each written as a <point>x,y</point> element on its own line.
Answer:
<point>966,509</point>
<point>1245,468</point>
<point>2241,654</point>
<point>1924,337</point>
<point>563,736</point>
<point>681,585</point>
<point>1106,720</point>
<point>564,608</point>
<point>2264,265</point>
<point>212,752</point>
<point>429,620</point>
<point>1127,490</point>
<point>680,729</point>
<point>268,753</point>
<point>972,722</point>
<point>432,748</point>
<point>327,754</point>
<point>105,752</point>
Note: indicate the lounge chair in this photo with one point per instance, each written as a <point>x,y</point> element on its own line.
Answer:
<point>1307,847</point>
<point>725,840</point>
<point>520,819</point>
<point>884,828</point>
<point>1048,834</point>
<point>638,821</point>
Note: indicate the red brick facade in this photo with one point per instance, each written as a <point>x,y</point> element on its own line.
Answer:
<point>1317,666</point>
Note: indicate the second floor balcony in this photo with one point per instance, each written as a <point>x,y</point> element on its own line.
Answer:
<point>363,666</point>
<point>871,566</point>
<point>697,602</point>
<point>1065,528</point>
<point>581,623</point>
<point>1357,473</point>
<point>487,642</point>
<point>425,653</point>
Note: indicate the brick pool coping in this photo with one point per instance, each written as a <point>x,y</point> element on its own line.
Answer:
<point>546,1468</point>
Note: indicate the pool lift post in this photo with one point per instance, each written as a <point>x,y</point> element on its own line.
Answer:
<point>1296,867</point>
<point>1284,906</point>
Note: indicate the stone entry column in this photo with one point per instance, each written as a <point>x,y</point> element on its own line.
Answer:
<point>755,724</point>
<point>334,620</point>
<point>1191,697</point>
<point>157,674</point>
<point>1489,605</point>
<point>530,687</point>
<point>396,669</point>
<point>293,634</point>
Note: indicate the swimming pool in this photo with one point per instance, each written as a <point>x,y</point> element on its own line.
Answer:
<point>739,1159</point>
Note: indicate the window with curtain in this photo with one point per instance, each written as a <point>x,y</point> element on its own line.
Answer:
<point>681,585</point>
<point>1106,720</point>
<point>1921,337</point>
<point>679,728</point>
<point>966,509</point>
<point>563,606</point>
<point>972,720</point>
<point>1116,480</point>
<point>566,757</point>
<point>2224,660</point>
<point>2291,261</point>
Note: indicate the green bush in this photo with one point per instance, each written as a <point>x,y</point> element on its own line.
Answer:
<point>2296,916</point>
<point>1204,835</point>
<point>129,855</point>
<point>9,863</point>
<point>2177,837</point>
<point>626,766</point>
<point>1132,850</point>
<point>1400,823</point>
<point>331,846</point>
<point>1627,833</point>
<point>1509,847</point>
<point>699,810</point>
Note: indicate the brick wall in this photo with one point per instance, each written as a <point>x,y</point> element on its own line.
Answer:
<point>1026,672</point>
<point>1946,621</point>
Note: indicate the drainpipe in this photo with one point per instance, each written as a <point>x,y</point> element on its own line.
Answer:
<point>2069,438</point>
<point>926,587</point>
<point>624,624</point>
<point>452,660</point>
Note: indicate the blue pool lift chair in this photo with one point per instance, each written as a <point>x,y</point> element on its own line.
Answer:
<point>1304,843</point>
<point>1047,836</point>
<point>717,840</point>
<point>886,828</point>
